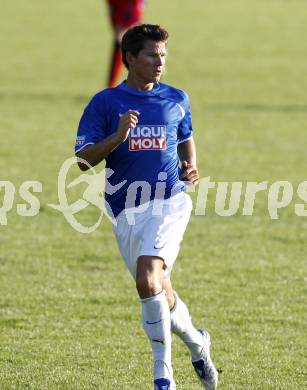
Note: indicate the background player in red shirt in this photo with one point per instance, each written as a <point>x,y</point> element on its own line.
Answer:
<point>124,14</point>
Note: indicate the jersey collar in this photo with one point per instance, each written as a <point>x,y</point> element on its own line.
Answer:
<point>123,86</point>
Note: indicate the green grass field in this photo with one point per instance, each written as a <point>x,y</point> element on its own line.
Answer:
<point>69,313</point>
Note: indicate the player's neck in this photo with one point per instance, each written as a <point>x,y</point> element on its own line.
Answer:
<point>140,85</point>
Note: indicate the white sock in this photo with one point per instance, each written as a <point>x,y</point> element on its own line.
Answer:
<point>181,325</point>
<point>157,326</point>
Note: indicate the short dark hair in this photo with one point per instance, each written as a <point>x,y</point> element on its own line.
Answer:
<point>134,39</point>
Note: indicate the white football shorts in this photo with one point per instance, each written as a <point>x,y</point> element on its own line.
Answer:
<point>153,235</point>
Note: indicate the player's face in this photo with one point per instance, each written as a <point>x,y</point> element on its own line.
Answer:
<point>149,64</point>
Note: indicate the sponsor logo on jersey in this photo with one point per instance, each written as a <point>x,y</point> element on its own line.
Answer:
<point>80,140</point>
<point>150,137</point>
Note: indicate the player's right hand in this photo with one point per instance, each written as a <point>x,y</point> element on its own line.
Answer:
<point>127,122</point>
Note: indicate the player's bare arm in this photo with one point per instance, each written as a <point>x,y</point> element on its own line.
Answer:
<point>187,156</point>
<point>94,154</point>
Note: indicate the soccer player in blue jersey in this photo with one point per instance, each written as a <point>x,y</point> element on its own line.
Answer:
<point>143,129</point>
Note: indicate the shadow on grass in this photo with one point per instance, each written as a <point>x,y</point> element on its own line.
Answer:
<point>11,323</point>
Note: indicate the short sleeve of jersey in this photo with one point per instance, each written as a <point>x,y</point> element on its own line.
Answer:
<point>92,126</point>
<point>185,129</point>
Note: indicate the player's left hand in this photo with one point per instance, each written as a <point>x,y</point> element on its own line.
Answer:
<point>189,173</point>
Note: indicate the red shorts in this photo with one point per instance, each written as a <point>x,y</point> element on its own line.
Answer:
<point>126,13</point>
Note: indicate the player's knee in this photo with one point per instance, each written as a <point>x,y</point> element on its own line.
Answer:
<point>149,276</point>
<point>146,286</point>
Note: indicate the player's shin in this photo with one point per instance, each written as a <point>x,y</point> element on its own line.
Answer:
<point>182,326</point>
<point>156,323</point>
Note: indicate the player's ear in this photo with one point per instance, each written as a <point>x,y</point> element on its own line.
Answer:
<point>130,58</point>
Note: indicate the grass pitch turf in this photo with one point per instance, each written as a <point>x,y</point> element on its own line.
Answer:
<point>69,315</point>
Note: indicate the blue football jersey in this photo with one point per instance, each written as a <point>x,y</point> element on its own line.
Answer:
<point>151,148</point>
